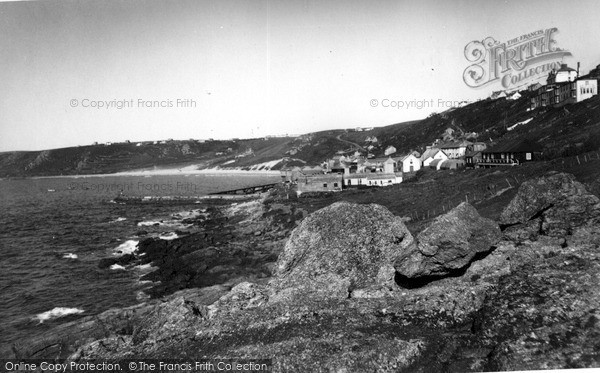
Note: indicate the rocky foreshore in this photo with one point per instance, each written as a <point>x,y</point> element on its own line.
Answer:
<point>351,289</point>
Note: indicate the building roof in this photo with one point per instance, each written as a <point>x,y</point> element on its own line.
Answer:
<point>564,67</point>
<point>455,144</point>
<point>372,175</point>
<point>471,153</point>
<point>515,146</point>
<point>339,164</point>
<point>324,177</point>
<point>402,158</point>
<point>435,162</point>
<point>380,176</point>
<point>361,175</point>
<point>452,162</point>
<point>429,153</point>
<point>380,160</point>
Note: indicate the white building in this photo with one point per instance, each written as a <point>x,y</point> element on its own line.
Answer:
<point>586,88</point>
<point>389,150</point>
<point>373,179</point>
<point>409,163</point>
<point>562,75</point>
<point>513,96</point>
<point>431,156</point>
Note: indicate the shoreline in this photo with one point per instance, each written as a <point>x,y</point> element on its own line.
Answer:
<point>234,239</point>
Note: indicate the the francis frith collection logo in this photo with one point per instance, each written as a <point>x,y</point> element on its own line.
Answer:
<point>512,63</point>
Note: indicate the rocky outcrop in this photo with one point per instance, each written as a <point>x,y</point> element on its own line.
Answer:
<point>338,249</point>
<point>449,243</point>
<point>552,205</point>
<point>333,304</point>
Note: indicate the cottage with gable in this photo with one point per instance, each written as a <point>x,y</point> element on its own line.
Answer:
<point>408,163</point>
<point>432,154</point>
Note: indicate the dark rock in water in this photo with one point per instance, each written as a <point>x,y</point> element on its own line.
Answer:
<point>141,233</point>
<point>554,205</point>
<point>340,248</point>
<point>449,243</point>
<point>121,260</point>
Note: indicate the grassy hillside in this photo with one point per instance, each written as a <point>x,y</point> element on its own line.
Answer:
<point>565,131</point>
<point>562,132</point>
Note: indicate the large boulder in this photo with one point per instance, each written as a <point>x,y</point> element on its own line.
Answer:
<point>552,205</point>
<point>449,243</point>
<point>338,249</point>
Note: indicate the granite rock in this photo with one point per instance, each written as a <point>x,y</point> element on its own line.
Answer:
<point>341,248</point>
<point>449,243</point>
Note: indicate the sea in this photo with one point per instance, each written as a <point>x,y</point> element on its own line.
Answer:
<point>55,230</point>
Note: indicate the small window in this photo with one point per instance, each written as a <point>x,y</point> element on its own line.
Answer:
<point>334,185</point>
<point>324,185</point>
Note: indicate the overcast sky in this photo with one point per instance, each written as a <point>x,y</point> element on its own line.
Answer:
<point>250,68</point>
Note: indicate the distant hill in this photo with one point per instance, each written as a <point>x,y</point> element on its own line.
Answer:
<point>562,132</point>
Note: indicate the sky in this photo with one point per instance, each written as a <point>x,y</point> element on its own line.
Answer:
<point>78,72</point>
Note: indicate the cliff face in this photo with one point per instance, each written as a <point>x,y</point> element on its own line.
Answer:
<point>117,157</point>
<point>527,298</point>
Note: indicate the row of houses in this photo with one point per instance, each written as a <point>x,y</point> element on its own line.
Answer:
<point>344,171</point>
<point>356,171</point>
<point>564,86</point>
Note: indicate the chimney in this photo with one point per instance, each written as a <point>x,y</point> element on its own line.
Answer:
<point>563,66</point>
<point>578,69</point>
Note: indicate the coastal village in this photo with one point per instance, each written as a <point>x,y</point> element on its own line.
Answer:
<point>358,167</point>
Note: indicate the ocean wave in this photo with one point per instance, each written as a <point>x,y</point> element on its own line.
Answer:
<point>127,247</point>
<point>149,223</point>
<point>118,220</point>
<point>145,268</point>
<point>169,236</point>
<point>57,312</point>
<point>117,267</point>
<point>141,296</point>
<point>70,256</point>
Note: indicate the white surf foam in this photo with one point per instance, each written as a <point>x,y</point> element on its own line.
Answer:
<point>70,256</point>
<point>127,247</point>
<point>58,312</point>
<point>118,220</point>
<point>117,267</point>
<point>149,223</point>
<point>141,296</point>
<point>145,268</point>
<point>169,236</point>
